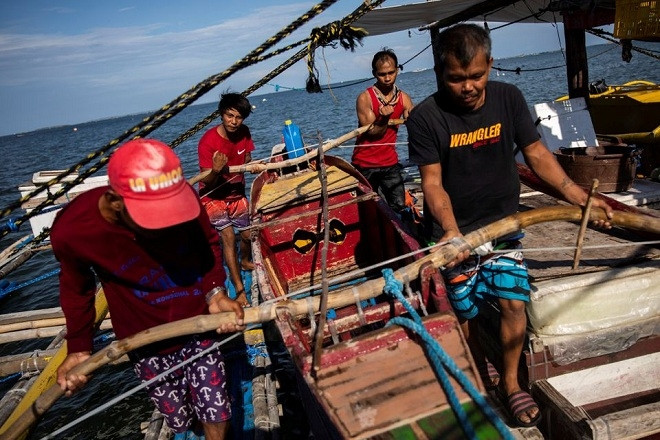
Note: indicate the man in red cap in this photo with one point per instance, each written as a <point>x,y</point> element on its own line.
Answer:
<point>158,259</point>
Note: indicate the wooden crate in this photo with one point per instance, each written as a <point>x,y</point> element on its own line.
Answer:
<point>637,20</point>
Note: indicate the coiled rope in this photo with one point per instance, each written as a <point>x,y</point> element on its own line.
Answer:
<point>348,37</point>
<point>441,362</point>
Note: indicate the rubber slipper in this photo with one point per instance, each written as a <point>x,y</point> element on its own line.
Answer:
<point>519,402</point>
<point>489,375</point>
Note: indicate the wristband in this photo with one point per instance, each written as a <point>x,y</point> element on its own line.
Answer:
<point>213,292</point>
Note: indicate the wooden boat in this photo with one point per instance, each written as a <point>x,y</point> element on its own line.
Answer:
<point>365,380</point>
<point>350,349</point>
<point>45,217</point>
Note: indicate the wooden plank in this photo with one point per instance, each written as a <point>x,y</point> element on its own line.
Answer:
<point>540,365</point>
<point>386,379</point>
<point>560,418</point>
<point>609,381</point>
<point>294,189</point>
<point>638,422</point>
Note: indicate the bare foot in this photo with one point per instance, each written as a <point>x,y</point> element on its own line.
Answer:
<point>247,265</point>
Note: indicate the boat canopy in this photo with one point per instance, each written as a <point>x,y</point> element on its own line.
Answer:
<point>416,15</point>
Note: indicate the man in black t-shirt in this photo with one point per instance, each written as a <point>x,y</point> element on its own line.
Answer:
<point>463,139</point>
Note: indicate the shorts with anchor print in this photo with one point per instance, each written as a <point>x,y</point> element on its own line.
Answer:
<point>196,391</point>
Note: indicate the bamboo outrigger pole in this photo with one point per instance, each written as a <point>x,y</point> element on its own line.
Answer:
<point>367,290</point>
<point>256,167</point>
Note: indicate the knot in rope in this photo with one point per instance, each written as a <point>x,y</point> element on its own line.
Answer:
<point>393,287</point>
<point>255,351</point>
<point>347,36</point>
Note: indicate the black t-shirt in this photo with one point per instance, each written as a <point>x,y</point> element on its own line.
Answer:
<point>475,150</point>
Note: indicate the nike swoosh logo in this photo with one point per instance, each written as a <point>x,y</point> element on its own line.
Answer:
<point>241,151</point>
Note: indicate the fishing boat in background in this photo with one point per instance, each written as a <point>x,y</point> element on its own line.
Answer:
<point>45,217</point>
<point>631,113</point>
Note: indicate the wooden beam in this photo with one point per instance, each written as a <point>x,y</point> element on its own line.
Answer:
<point>577,69</point>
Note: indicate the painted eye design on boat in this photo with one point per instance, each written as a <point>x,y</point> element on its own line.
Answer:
<point>304,241</point>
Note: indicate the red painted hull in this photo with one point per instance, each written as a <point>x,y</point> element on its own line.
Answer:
<point>360,357</point>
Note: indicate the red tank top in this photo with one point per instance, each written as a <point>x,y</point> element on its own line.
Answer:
<point>375,153</point>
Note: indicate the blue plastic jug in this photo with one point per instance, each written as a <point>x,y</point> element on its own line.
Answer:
<point>293,140</point>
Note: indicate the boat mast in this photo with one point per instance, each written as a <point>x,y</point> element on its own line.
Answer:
<point>577,18</point>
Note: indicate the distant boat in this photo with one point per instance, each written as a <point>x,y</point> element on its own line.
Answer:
<point>46,216</point>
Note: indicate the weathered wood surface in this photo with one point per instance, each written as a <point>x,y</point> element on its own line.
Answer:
<point>367,290</point>
<point>373,390</point>
<point>300,187</point>
<point>548,263</point>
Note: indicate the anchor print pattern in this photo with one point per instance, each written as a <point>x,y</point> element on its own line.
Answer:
<point>195,391</point>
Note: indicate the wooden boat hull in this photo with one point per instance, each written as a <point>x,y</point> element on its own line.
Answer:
<point>370,381</point>
<point>629,108</point>
<point>46,216</point>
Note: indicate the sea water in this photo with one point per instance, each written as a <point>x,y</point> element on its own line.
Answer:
<point>321,117</point>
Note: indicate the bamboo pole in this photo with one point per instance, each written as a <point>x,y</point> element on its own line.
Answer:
<point>583,224</point>
<point>256,167</point>
<point>369,289</point>
<point>32,324</point>
<point>43,332</point>
<point>11,318</point>
<point>25,362</point>
<point>9,250</point>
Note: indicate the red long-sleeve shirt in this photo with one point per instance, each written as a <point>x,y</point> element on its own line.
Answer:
<point>147,281</point>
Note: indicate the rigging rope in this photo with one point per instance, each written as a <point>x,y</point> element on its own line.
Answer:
<point>153,121</point>
<point>11,287</point>
<point>346,21</point>
<point>627,46</point>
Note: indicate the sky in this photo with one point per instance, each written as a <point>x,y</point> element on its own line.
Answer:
<point>72,61</point>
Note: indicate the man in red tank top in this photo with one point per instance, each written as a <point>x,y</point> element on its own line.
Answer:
<point>375,153</point>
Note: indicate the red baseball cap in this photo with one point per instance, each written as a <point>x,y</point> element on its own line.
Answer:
<point>149,177</point>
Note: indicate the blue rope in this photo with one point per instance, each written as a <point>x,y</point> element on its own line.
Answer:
<point>253,351</point>
<point>12,287</point>
<point>9,225</point>
<point>440,359</point>
<point>10,377</point>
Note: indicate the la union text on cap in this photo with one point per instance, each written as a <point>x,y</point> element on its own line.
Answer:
<point>148,176</point>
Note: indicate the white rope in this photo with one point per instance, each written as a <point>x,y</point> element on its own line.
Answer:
<point>341,278</point>
<point>386,144</point>
<point>360,272</point>
<point>356,296</point>
<point>140,387</point>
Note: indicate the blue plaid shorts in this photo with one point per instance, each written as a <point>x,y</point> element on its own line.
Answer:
<point>476,279</point>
